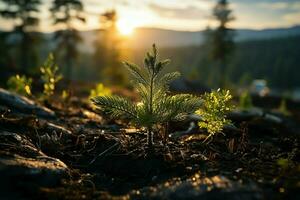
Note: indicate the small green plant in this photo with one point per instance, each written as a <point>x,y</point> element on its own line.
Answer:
<point>213,112</point>
<point>156,105</point>
<point>283,107</point>
<point>245,101</point>
<point>65,95</point>
<point>49,76</point>
<point>100,90</point>
<point>20,84</point>
<point>284,163</point>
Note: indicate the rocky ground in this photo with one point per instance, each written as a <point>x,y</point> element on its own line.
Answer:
<point>69,151</point>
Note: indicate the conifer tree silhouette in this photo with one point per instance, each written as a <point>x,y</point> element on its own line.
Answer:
<point>23,13</point>
<point>65,13</point>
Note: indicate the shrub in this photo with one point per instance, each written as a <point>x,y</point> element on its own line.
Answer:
<point>49,76</point>
<point>213,112</point>
<point>20,84</point>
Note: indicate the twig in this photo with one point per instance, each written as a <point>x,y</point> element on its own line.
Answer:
<point>104,152</point>
<point>39,144</point>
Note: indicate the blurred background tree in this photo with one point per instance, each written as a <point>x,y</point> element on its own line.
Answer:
<point>5,59</point>
<point>107,50</point>
<point>212,58</point>
<point>221,40</point>
<point>23,41</point>
<point>64,13</point>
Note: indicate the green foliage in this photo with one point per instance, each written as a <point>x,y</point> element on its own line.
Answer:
<point>213,112</point>
<point>49,76</point>
<point>20,84</point>
<point>283,107</point>
<point>116,106</point>
<point>100,90</point>
<point>284,163</point>
<point>245,101</point>
<point>65,95</point>
<point>156,105</point>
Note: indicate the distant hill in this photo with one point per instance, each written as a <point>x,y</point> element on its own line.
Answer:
<point>170,38</point>
<point>270,54</point>
<point>145,37</point>
<point>248,34</point>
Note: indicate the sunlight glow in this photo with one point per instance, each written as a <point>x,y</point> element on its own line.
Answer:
<point>125,28</point>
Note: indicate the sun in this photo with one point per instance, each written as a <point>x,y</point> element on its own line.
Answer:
<point>125,28</point>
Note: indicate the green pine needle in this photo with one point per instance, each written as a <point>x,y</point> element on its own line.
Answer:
<point>155,105</point>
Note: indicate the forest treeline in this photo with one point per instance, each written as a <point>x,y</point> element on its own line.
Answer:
<point>275,60</point>
<point>218,62</point>
<point>21,47</point>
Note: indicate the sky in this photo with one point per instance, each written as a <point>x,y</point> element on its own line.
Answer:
<point>187,15</point>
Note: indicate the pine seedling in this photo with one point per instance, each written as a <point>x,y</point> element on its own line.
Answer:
<point>50,76</point>
<point>156,105</point>
<point>213,112</point>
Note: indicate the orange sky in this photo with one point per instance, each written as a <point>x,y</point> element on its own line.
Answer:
<point>189,15</point>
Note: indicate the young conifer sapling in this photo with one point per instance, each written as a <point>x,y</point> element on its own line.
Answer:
<point>156,105</point>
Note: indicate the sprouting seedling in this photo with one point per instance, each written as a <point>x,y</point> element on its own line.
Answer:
<point>100,90</point>
<point>50,76</point>
<point>213,112</point>
<point>156,106</point>
<point>283,107</point>
<point>20,84</point>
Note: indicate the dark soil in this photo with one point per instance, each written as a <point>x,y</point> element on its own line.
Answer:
<point>106,159</point>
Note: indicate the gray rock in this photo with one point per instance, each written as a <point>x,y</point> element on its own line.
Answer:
<point>197,187</point>
<point>24,169</point>
<point>22,104</point>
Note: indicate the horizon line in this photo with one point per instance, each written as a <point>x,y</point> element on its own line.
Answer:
<point>176,30</point>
